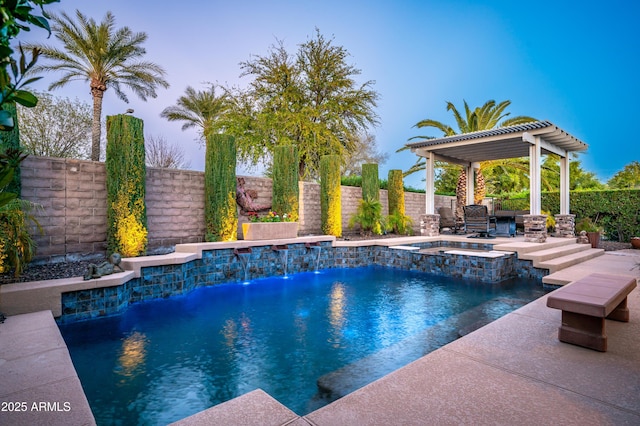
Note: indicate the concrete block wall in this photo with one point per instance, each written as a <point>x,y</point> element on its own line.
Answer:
<point>73,197</point>
<point>72,194</point>
<point>175,207</point>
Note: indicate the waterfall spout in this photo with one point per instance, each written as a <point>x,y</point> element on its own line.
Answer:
<point>315,246</point>
<point>244,254</point>
<point>283,252</point>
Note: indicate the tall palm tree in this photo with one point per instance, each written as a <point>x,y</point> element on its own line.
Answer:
<point>486,117</point>
<point>104,56</point>
<point>200,109</point>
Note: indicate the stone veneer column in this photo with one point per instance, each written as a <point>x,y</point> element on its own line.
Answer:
<point>430,225</point>
<point>535,228</point>
<point>565,225</point>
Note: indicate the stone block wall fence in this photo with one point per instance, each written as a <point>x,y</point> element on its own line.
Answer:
<point>73,217</point>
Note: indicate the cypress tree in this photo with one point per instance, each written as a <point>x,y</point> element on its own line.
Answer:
<point>220,211</point>
<point>285,181</point>
<point>370,182</point>
<point>126,175</point>
<point>330,202</point>
<point>395,187</point>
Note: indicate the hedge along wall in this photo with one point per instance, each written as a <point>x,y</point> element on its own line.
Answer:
<point>221,213</point>
<point>74,216</point>
<point>285,181</point>
<point>618,211</point>
<point>370,182</point>
<point>330,195</point>
<point>395,186</point>
<point>126,178</point>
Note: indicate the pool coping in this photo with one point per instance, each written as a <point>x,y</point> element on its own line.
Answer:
<point>35,296</point>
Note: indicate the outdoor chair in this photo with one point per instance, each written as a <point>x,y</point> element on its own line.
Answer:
<point>447,219</point>
<point>477,220</point>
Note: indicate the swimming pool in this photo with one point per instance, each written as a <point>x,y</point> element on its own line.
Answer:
<point>305,339</point>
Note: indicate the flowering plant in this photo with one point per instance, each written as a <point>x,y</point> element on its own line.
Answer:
<point>269,217</point>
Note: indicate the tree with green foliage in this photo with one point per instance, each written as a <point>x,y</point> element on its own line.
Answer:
<point>579,179</point>
<point>627,178</point>
<point>104,56</point>
<point>199,109</point>
<point>285,198</point>
<point>220,210</point>
<point>370,182</point>
<point>310,99</point>
<point>16,16</point>
<point>56,127</point>
<point>126,180</point>
<point>330,196</point>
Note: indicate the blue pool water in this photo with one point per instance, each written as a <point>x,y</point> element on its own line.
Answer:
<point>306,339</point>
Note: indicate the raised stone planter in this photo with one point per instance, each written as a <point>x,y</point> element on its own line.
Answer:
<point>269,230</point>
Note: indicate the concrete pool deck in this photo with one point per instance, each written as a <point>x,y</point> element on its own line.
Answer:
<point>512,371</point>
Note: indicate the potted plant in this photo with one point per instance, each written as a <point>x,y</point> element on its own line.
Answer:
<point>592,229</point>
<point>635,242</point>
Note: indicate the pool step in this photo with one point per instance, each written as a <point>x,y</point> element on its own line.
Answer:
<point>522,247</point>
<point>562,262</point>
<point>554,252</point>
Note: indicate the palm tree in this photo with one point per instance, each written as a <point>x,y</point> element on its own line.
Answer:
<point>486,117</point>
<point>199,109</point>
<point>104,56</point>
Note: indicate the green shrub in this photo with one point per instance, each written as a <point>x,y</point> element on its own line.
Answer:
<point>369,217</point>
<point>126,175</point>
<point>370,182</point>
<point>330,198</point>
<point>400,224</point>
<point>285,181</point>
<point>616,211</point>
<point>220,211</point>
<point>10,143</point>
<point>16,245</point>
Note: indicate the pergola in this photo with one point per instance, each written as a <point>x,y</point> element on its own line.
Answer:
<point>469,149</point>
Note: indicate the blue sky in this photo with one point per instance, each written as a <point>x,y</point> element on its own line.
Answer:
<point>573,63</point>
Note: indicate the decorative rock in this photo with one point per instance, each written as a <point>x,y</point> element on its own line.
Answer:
<point>535,228</point>
<point>430,225</point>
<point>565,225</point>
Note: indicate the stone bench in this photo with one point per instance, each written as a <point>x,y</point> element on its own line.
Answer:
<point>586,303</point>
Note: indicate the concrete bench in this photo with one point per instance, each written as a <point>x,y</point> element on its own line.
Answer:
<point>586,303</point>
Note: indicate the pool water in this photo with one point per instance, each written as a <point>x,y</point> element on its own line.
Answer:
<point>305,339</point>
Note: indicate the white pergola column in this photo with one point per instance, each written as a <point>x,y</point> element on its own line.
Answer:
<point>430,189</point>
<point>565,187</point>
<point>535,184</point>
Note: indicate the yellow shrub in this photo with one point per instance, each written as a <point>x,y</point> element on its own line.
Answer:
<point>131,235</point>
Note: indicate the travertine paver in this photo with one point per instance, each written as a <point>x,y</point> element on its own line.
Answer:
<point>38,383</point>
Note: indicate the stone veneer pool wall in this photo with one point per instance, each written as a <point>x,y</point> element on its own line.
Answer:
<point>224,266</point>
